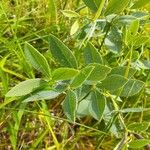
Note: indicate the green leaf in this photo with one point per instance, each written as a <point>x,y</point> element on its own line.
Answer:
<point>26,87</point>
<point>91,4</point>
<point>136,144</point>
<point>113,82</point>
<point>74,27</point>
<point>97,105</point>
<point>114,40</point>
<point>82,76</point>
<point>91,54</point>
<point>83,106</point>
<point>62,53</point>
<point>121,70</point>
<point>70,14</point>
<point>140,3</point>
<point>137,126</point>
<point>116,6</point>
<point>70,105</point>
<point>126,19</point>
<point>99,72</point>
<point>134,27</point>
<point>37,60</point>
<point>64,73</point>
<point>52,11</point>
<point>42,95</point>
<point>83,91</point>
<point>61,86</point>
<point>139,40</point>
<point>132,87</point>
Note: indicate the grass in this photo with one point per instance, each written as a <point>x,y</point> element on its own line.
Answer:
<point>42,124</point>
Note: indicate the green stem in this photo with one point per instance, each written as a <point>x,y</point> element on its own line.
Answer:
<point>120,116</point>
<point>107,31</point>
<point>99,11</point>
<point>109,125</point>
<point>129,62</point>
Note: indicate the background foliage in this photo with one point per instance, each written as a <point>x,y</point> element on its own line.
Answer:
<point>74,74</point>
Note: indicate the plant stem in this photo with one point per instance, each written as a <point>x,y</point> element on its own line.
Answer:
<point>99,11</point>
